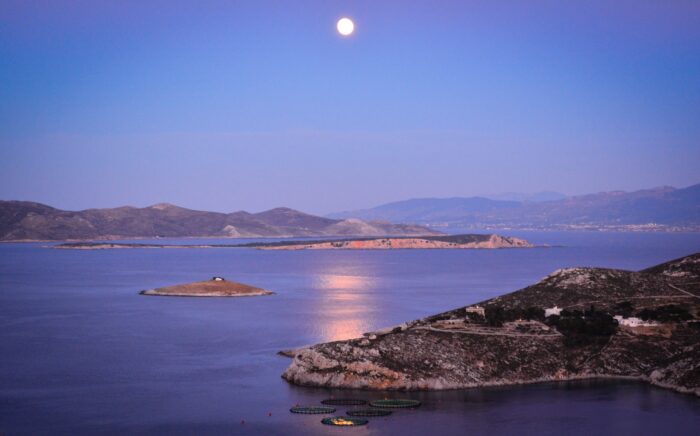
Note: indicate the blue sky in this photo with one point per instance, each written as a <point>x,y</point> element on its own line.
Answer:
<point>254,104</point>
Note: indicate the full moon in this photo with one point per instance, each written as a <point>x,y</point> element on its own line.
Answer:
<point>345,26</point>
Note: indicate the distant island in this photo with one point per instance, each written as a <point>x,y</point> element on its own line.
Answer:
<point>27,221</point>
<point>383,243</point>
<point>124,245</point>
<point>658,209</point>
<point>650,210</point>
<point>400,243</point>
<point>216,287</point>
<point>576,323</point>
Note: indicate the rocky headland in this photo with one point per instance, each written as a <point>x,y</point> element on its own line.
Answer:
<point>216,287</point>
<point>576,323</point>
<point>393,243</point>
<point>386,243</point>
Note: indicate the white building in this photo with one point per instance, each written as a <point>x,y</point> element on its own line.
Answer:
<point>476,309</point>
<point>633,321</point>
<point>556,310</point>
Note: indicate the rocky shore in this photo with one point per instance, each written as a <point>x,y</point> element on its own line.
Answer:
<point>216,287</point>
<point>576,323</point>
<point>471,241</point>
<point>474,241</point>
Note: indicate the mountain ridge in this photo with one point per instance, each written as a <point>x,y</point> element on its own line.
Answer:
<point>30,221</point>
<point>663,206</point>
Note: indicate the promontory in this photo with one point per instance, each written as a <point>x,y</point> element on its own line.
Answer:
<point>473,241</point>
<point>388,243</point>
<point>576,323</point>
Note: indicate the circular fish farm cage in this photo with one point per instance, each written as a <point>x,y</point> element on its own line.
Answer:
<point>344,421</point>
<point>395,404</point>
<point>344,402</point>
<point>311,410</point>
<point>369,412</point>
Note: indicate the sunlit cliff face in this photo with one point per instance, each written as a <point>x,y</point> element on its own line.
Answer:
<point>345,305</point>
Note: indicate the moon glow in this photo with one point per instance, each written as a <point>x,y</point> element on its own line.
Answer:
<point>345,26</point>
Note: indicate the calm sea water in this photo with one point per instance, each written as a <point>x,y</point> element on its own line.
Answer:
<point>82,353</point>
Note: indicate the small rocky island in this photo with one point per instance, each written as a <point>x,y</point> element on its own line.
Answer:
<point>576,323</point>
<point>474,241</point>
<point>216,287</point>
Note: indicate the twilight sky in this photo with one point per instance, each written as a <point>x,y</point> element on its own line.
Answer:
<point>228,105</point>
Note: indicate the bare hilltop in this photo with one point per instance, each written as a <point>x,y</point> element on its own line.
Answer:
<point>576,323</point>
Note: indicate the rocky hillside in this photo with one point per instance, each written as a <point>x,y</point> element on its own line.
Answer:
<point>20,220</point>
<point>575,323</point>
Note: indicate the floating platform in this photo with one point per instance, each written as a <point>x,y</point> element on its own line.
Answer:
<point>344,402</point>
<point>395,404</point>
<point>369,413</point>
<point>312,410</point>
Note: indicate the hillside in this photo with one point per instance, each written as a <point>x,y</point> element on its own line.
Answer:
<point>20,220</point>
<point>576,323</point>
<point>658,208</point>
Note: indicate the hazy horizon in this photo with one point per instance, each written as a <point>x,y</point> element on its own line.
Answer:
<point>253,105</point>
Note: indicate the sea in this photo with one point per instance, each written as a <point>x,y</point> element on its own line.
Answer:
<point>82,353</point>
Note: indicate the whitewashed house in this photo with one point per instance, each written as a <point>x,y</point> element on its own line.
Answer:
<point>633,321</point>
<point>556,310</point>
<point>476,309</point>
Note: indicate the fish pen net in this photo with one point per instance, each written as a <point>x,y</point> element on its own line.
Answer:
<point>344,402</point>
<point>312,410</point>
<point>368,412</point>
<point>395,404</point>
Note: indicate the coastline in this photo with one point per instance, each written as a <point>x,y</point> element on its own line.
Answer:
<point>464,241</point>
<point>575,324</point>
<point>533,381</point>
<point>481,230</point>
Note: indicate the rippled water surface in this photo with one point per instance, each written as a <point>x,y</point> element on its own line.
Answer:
<point>82,353</point>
